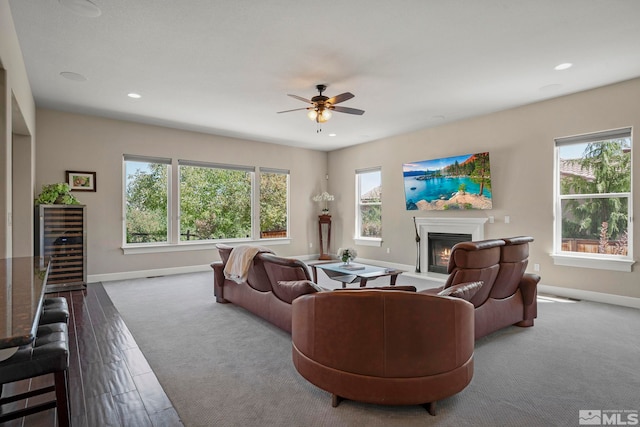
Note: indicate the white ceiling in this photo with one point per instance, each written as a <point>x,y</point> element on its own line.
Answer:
<point>226,67</point>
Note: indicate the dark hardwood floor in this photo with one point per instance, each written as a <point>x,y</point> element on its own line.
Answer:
<point>110,381</point>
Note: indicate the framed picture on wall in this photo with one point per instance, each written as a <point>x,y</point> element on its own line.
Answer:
<point>449,183</point>
<point>81,181</point>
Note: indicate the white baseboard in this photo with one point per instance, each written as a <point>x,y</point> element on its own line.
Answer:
<point>590,296</point>
<point>126,275</point>
<point>409,271</point>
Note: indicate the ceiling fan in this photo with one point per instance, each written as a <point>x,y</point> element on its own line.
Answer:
<point>322,106</point>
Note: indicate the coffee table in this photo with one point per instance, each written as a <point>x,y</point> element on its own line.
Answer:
<point>353,272</point>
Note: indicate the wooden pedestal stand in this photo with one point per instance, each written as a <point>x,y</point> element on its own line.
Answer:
<point>324,231</point>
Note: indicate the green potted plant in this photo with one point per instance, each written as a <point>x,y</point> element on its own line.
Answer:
<point>56,194</point>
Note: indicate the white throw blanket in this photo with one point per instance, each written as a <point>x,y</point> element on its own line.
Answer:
<point>240,258</point>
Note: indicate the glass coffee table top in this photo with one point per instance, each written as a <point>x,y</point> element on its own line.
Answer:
<point>354,272</point>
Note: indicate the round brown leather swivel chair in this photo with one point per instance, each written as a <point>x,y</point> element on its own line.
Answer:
<point>384,347</point>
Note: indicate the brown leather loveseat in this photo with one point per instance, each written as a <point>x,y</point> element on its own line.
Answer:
<point>384,346</point>
<point>272,283</point>
<point>508,296</point>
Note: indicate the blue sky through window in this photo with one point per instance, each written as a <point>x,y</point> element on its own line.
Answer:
<point>369,181</point>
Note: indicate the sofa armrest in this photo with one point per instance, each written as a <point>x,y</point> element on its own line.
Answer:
<point>529,290</point>
<point>218,281</point>
<point>528,287</point>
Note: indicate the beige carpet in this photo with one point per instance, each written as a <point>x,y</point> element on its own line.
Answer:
<point>222,366</point>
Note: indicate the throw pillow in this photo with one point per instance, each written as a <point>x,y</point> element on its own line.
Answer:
<point>287,291</point>
<point>465,291</point>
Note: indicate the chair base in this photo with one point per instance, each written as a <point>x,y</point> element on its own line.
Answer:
<point>525,323</point>
<point>430,406</point>
<point>61,402</point>
<point>335,400</point>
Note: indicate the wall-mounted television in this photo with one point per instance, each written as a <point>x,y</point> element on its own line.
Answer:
<point>458,182</point>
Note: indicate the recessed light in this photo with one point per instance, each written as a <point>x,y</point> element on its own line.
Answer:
<point>134,95</point>
<point>82,8</point>
<point>70,75</point>
<point>332,134</point>
<point>563,66</point>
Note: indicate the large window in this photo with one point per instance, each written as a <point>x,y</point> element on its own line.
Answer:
<point>593,196</point>
<point>146,199</point>
<point>215,201</point>
<point>212,202</point>
<point>369,201</point>
<point>274,203</point>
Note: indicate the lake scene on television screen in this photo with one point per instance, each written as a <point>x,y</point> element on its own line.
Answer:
<point>458,182</point>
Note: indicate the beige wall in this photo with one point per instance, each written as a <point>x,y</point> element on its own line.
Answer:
<point>17,117</point>
<point>520,142</point>
<point>11,60</point>
<point>85,143</point>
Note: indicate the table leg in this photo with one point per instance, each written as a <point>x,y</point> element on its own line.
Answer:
<point>363,282</point>
<point>392,279</point>
<point>314,269</point>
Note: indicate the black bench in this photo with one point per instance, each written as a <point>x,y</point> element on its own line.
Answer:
<point>54,310</point>
<point>48,354</point>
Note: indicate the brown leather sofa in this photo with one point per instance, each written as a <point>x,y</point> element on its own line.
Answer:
<point>272,284</point>
<point>508,296</point>
<point>384,346</point>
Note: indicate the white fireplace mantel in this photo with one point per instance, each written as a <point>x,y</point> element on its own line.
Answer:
<point>472,226</point>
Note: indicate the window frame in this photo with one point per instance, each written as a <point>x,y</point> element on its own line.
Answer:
<point>591,260</point>
<point>257,203</point>
<point>146,159</point>
<point>249,169</point>
<point>173,243</point>
<point>359,239</point>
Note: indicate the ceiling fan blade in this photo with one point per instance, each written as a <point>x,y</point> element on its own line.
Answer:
<point>300,98</point>
<point>340,98</point>
<point>348,110</point>
<point>295,109</point>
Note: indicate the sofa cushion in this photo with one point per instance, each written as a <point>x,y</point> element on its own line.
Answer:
<point>287,291</point>
<point>514,258</point>
<point>258,278</point>
<point>465,291</point>
<point>478,254</point>
<point>224,251</point>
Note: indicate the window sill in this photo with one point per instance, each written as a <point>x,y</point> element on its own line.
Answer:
<point>371,241</point>
<point>151,248</point>
<point>585,261</point>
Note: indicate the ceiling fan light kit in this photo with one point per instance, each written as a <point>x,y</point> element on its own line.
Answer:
<point>319,115</point>
<point>323,106</point>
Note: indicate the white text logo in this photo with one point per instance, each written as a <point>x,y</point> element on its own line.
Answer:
<point>608,417</point>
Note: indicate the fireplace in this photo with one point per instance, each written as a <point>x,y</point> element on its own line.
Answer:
<point>439,249</point>
<point>425,226</point>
